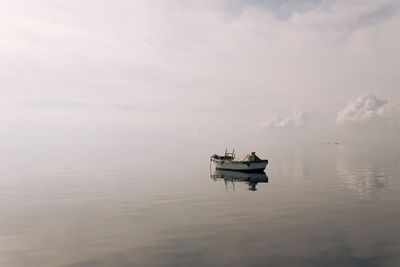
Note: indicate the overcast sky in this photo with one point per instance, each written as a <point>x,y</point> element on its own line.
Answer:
<point>220,72</point>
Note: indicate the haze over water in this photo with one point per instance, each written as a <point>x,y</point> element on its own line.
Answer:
<point>323,205</point>
<point>110,111</point>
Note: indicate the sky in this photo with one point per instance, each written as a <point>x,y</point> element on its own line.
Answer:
<point>166,74</point>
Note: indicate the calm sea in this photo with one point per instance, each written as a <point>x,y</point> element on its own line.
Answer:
<point>317,205</point>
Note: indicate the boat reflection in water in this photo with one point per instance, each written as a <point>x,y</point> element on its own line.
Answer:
<point>232,177</point>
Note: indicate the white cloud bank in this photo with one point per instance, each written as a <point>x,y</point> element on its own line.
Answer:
<point>368,109</point>
<point>151,68</point>
<point>298,118</point>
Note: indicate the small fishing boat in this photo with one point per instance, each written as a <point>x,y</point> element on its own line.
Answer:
<point>248,163</point>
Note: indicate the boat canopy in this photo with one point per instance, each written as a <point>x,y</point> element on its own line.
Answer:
<point>249,157</point>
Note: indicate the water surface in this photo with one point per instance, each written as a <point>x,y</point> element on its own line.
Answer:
<point>321,205</point>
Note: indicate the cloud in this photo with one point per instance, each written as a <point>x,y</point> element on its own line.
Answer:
<point>298,118</point>
<point>192,64</point>
<point>368,109</point>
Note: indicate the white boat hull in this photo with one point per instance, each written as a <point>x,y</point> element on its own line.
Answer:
<point>254,166</point>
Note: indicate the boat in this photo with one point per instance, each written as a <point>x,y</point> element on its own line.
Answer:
<point>248,163</point>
